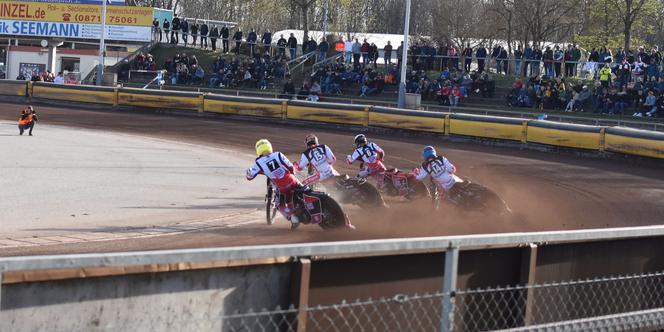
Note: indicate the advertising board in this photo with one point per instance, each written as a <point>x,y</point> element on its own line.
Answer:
<point>89,2</point>
<point>78,21</point>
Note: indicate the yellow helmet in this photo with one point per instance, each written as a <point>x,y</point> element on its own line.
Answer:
<point>263,146</point>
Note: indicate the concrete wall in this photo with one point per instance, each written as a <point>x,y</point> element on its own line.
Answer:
<point>171,301</point>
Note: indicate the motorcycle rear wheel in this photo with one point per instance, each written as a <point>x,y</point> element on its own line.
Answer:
<point>333,215</point>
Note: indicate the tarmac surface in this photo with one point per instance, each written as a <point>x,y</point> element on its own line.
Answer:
<point>95,181</point>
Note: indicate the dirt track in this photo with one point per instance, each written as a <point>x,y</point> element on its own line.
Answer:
<point>546,191</point>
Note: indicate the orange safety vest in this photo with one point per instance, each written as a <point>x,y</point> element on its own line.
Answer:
<point>24,121</point>
<point>339,46</point>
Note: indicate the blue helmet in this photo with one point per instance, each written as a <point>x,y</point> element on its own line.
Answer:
<point>428,152</point>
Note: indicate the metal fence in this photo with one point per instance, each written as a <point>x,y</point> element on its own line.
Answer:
<point>607,304</point>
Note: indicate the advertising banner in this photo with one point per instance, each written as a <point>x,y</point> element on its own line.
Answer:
<point>75,13</point>
<point>74,30</point>
<point>30,69</point>
<point>89,2</point>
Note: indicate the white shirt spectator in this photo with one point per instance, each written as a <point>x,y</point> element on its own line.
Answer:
<point>59,79</point>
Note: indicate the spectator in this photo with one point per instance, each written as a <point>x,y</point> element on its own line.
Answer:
<point>281,45</point>
<point>323,47</point>
<point>199,75</point>
<point>357,49</point>
<point>373,55</point>
<point>399,55</point>
<point>467,58</point>
<point>348,48</point>
<point>387,53</point>
<point>288,91</point>
<point>518,60</point>
<point>292,46</point>
<point>558,58</point>
<point>204,35</point>
<point>481,58</point>
<point>194,33</point>
<point>185,31</point>
<point>225,33</point>
<point>175,32</point>
<point>364,49</point>
<point>166,30</point>
<point>252,37</point>
<point>576,57</point>
<point>59,79</point>
<point>649,106</point>
<point>267,41</point>
<point>156,30</point>
<point>214,34</point>
<point>238,41</point>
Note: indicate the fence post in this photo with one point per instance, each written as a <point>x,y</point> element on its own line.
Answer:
<point>449,287</point>
<point>303,294</point>
<point>115,97</point>
<point>602,139</point>
<point>0,291</point>
<point>528,274</point>
<point>201,102</point>
<point>447,125</point>
<point>284,110</point>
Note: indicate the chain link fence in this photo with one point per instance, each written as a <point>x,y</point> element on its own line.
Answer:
<point>605,304</point>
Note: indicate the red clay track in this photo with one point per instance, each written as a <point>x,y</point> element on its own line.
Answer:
<point>546,191</point>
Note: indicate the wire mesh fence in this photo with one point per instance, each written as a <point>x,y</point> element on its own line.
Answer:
<point>607,304</point>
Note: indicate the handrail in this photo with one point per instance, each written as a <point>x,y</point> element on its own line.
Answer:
<point>363,247</point>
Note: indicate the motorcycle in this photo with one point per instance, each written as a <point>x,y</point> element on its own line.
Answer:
<point>471,196</point>
<point>398,183</point>
<point>353,190</point>
<point>312,207</point>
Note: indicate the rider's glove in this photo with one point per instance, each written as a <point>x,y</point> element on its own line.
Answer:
<point>349,159</point>
<point>415,171</point>
<point>297,166</point>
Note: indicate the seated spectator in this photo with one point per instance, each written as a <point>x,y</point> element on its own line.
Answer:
<point>199,75</point>
<point>455,95</point>
<point>649,106</point>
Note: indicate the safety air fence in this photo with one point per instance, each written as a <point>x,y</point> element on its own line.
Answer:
<point>584,280</point>
<point>601,139</point>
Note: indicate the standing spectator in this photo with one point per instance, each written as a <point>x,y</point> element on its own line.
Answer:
<point>399,54</point>
<point>357,49</point>
<point>59,79</point>
<point>312,46</point>
<point>605,76</point>
<point>238,41</point>
<point>292,46</point>
<point>387,53</point>
<point>528,54</point>
<point>557,61</point>
<point>535,63</point>
<point>518,60</point>
<point>252,37</point>
<point>194,33</point>
<point>214,34</point>
<point>348,48</point>
<point>494,57</point>
<point>323,47</point>
<point>185,31</point>
<point>267,41</point>
<point>467,58</point>
<point>225,33</point>
<point>175,29</point>
<point>156,30</point>
<point>481,58</point>
<point>364,49</point>
<point>281,46</point>
<point>204,34</point>
<point>166,30</point>
<point>504,59</point>
<point>373,55</point>
<point>569,66</point>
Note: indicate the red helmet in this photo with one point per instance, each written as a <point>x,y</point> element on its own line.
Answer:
<point>310,139</point>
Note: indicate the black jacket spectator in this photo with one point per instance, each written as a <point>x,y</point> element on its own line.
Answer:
<point>267,38</point>
<point>225,33</point>
<point>238,41</point>
<point>204,33</point>
<point>214,34</point>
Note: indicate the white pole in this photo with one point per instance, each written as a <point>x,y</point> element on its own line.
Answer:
<point>325,9</point>
<point>404,58</point>
<point>100,69</point>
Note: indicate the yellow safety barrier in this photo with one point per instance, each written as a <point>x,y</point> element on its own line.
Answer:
<point>613,139</point>
<point>262,107</point>
<point>74,93</point>
<point>159,99</point>
<point>633,141</point>
<point>13,88</point>
<point>328,112</point>
<point>406,119</point>
<point>487,126</point>
<point>564,134</point>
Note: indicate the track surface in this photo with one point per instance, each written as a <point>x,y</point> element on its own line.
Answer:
<point>546,191</point>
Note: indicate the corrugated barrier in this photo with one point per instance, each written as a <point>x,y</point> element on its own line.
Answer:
<point>405,119</point>
<point>564,134</point>
<point>263,107</point>
<point>634,141</point>
<point>13,88</point>
<point>160,99</point>
<point>513,129</point>
<point>597,138</point>
<point>328,112</point>
<point>76,93</point>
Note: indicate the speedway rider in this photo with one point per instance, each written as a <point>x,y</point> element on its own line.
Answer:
<point>371,156</point>
<point>279,170</point>
<point>439,168</point>
<point>319,158</point>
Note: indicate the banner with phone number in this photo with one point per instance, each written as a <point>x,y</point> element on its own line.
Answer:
<point>75,13</point>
